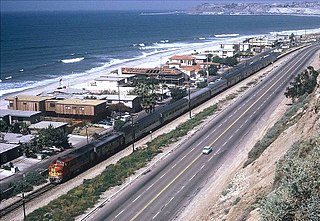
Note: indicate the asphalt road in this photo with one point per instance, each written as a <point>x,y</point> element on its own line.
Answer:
<point>163,193</point>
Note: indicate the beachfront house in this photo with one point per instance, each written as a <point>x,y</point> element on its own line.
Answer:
<point>109,84</point>
<point>77,108</point>
<point>182,60</point>
<point>165,75</point>
<point>27,103</point>
<point>223,50</point>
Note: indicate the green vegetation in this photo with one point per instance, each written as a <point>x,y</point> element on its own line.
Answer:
<point>31,179</point>
<point>178,93</point>
<point>236,201</point>
<point>18,127</point>
<point>229,61</point>
<point>45,138</point>
<point>146,88</point>
<point>86,195</point>
<point>304,83</point>
<point>296,194</point>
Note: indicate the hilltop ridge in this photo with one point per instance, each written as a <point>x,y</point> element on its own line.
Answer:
<point>294,8</point>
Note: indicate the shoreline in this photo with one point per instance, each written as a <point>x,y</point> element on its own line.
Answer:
<point>153,60</point>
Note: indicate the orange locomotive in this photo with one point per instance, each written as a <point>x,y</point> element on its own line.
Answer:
<point>80,159</point>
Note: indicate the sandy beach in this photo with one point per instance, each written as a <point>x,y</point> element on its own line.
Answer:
<point>154,60</point>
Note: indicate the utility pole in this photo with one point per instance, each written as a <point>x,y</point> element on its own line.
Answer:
<point>119,98</point>
<point>23,203</point>
<point>189,101</point>
<point>207,67</point>
<point>133,132</point>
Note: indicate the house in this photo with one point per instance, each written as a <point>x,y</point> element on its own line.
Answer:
<point>165,75</point>
<point>182,60</point>
<point>76,108</point>
<point>27,103</point>
<point>14,116</point>
<point>244,47</point>
<point>112,83</point>
<point>131,101</point>
<point>46,124</point>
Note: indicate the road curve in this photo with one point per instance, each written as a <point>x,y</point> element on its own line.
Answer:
<point>163,193</point>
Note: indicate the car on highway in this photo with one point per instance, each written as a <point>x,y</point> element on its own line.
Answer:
<point>207,150</point>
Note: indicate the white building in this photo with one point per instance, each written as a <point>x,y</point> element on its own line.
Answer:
<point>109,84</point>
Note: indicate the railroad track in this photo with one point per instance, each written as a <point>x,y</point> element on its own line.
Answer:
<point>27,198</point>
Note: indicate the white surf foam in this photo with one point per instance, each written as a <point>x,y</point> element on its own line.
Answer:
<point>226,35</point>
<point>72,60</point>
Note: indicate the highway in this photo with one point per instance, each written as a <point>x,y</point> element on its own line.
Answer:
<point>163,193</point>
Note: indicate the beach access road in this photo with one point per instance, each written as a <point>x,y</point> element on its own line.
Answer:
<point>163,192</point>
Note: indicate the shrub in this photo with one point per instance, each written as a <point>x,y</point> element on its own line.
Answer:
<point>297,183</point>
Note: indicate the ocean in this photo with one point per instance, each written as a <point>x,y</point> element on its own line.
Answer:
<point>41,47</point>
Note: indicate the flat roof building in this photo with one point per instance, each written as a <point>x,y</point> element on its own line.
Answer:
<point>27,102</point>
<point>14,116</point>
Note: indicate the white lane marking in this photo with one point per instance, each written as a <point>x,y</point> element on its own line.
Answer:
<point>170,200</point>
<point>173,166</point>
<point>193,176</point>
<point>162,176</point>
<point>151,185</point>
<point>136,198</point>
<point>202,167</point>
<point>156,215</point>
<point>190,150</point>
<point>120,213</point>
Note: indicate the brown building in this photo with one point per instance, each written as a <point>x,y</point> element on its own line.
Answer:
<point>164,75</point>
<point>76,108</point>
<point>27,103</point>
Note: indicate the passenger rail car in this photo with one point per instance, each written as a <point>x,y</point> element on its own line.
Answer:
<point>71,164</point>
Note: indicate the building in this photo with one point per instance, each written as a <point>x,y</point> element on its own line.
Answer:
<point>18,116</point>
<point>131,101</point>
<point>14,138</point>
<point>46,124</point>
<point>27,103</point>
<point>182,60</point>
<point>9,152</point>
<point>168,76</point>
<point>109,84</point>
<point>76,108</point>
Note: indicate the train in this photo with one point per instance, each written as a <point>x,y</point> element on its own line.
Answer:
<point>68,166</point>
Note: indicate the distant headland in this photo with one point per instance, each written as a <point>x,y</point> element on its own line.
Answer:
<point>294,8</point>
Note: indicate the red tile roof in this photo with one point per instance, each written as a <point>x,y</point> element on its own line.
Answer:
<point>182,57</point>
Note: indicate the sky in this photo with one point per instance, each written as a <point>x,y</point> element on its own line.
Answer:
<point>79,5</point>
